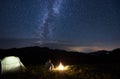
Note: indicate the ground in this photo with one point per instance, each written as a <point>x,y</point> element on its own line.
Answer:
<point>82,71</point>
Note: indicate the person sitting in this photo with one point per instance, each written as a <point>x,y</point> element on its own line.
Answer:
<point>49,65</point>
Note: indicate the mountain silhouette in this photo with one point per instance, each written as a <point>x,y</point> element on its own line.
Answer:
<point>39,55</point>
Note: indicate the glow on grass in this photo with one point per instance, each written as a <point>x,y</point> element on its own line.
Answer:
<point>61,67</point>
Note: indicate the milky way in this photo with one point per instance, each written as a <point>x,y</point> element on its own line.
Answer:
<point>46,28</point>
<point>79,25</point>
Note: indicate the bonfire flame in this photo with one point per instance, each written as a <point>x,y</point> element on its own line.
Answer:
<point>61,67</point>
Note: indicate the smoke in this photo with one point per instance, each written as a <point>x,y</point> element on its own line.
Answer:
<point>46,28</point>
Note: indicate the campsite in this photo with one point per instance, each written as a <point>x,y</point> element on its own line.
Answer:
<point>59,39</point>
<point>81,66</point>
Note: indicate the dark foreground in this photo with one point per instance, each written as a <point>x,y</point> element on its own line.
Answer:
<point>83,71</point>
<point>96,65</point>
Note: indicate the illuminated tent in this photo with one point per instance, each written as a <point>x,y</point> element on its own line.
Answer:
<point>11,64</point>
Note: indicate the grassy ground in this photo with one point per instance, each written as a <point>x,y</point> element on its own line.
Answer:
<point>105,71</point>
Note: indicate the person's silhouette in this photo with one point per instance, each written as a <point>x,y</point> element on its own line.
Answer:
<point>49,65</point>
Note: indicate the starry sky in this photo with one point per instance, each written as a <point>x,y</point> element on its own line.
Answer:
<point>72,25</point>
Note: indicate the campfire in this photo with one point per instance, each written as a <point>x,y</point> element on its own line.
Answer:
<point>61,67</point>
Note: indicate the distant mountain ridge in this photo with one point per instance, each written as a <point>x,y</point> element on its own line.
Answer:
<point>105,52</point>
<point>39,55</point>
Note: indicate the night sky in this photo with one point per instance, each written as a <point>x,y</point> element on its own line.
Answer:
<point>74,25</point>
